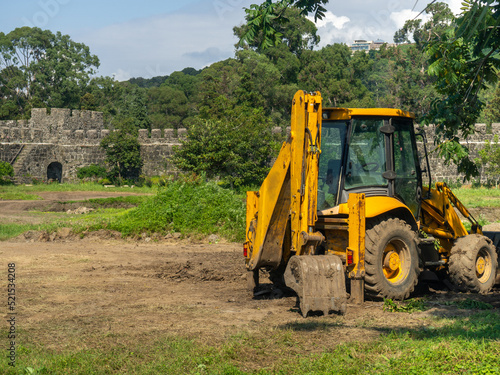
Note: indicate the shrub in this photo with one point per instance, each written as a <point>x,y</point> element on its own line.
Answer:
<point>104,181</point>
<point>188,206</point>
<point>91,171</point>
<point>6,171</point>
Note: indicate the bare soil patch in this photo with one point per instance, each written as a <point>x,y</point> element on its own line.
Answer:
<point>490,214</point>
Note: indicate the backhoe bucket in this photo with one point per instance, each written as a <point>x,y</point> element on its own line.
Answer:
<point>319,281</point>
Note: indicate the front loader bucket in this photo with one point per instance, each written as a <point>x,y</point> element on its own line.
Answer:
<point>319,281</point>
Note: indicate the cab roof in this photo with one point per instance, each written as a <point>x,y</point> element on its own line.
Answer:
<point>348,113</point>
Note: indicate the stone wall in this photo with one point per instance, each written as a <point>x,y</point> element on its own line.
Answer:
<point>69,140</point>
<point>475,142</point>
<point>65,140</point>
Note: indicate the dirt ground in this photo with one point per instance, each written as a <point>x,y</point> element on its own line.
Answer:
<point>68,290</point>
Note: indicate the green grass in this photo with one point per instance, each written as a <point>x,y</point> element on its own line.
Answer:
<point>478,197</point>
<point>470,304</point>
<point>450,346</point>
<point>10,230</point>
<point>408,306</point>
<point>83,186</point>
<point>18,195</point>
<point>193,208</point>
<point>467,345</point>
<point>127,201</point>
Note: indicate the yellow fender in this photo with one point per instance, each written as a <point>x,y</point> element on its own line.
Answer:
<point>376,206</point>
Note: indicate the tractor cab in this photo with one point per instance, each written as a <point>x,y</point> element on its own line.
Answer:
<point>370,151</point>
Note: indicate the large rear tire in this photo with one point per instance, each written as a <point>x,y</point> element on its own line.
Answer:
<point>391,259</point>
<point>473,263</point>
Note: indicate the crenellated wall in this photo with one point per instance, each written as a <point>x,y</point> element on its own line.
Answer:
<point>67,139</point>
<point>70,139</point>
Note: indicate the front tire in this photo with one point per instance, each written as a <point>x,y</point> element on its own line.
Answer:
<point>473,264</point>
<point>391,259</point>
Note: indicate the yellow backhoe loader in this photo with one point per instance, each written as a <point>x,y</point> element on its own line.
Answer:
<point>345,200</point>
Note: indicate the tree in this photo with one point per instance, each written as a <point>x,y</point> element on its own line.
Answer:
<point>137,109</point>
<point>187,80</point>
<point>233,142</point>
<point>123,152</point>
<point>167,107</point>
<point>39,68</point>
<point>337,75</point>
<point>440,19</point>
<point>116,100</point>
<point>492,109</point>
<point>297,33</point>
<point>218,79</point>
<point>263,20</point>
<point>465,61</point>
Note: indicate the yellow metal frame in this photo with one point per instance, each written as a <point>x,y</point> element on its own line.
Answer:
<point>348,113</point>
<point>289,192</point>
<point>357,227</point>
<point>375,206</point>
<point>440,219</point>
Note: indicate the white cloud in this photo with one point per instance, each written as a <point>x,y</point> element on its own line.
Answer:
<point>399,18</point>
<point>122,75</point>
<point>162,44</point>
<point>455,6</point>
<point>210,54</point>
<point>330,28</point>
<point>329,20</point>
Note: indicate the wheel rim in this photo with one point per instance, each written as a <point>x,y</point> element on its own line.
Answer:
<point>396,261</point>
<point>483,265</point>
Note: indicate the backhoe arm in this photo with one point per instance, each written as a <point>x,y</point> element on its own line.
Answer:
<point>476,228</point>
<point>439,217</point>
<point>281,215</point>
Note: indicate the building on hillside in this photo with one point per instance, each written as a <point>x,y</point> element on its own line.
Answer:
<point>368,45</point>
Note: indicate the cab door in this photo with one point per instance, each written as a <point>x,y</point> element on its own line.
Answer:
<point>407,180</point>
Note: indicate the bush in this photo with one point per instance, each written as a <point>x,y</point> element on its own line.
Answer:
<point>189,206</point>
<point>6,171</point>
<point>91,171</point>
<point>104,181</point>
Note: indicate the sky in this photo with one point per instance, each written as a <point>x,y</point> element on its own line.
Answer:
<point>151,38</point>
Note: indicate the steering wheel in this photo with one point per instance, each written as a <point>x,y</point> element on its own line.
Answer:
<point>370,167</point>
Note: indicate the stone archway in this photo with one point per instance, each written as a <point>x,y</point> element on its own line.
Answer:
<point>54,171</point>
